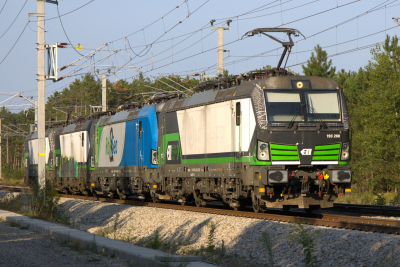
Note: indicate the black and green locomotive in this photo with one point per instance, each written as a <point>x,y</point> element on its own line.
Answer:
<point>278,142</point>
<point>265,138</point>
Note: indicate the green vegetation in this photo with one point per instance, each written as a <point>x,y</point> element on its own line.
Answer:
<point>43,203</point>
<point>370,198</point>
<point>266,239</point>
<point>318,65</point>
<point>211,236</point>
<point>373,100</point>
<point>306,238</point>
<point>155,241</point>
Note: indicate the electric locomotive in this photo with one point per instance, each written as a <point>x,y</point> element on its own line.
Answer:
<point>267,138</point>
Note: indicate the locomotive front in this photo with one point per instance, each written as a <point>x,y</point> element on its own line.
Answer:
<point>302,141</point>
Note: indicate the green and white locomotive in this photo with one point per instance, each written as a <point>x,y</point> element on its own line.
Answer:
<point>277,141</point>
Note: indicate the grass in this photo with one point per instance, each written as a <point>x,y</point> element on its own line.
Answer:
<point>373,198</point>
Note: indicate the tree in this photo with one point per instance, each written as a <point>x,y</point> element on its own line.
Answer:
<point>318,65</point>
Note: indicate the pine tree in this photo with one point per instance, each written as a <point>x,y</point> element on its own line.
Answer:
<point>318,65</point>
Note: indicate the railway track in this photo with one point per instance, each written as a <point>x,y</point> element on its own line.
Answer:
<point>378,225</point>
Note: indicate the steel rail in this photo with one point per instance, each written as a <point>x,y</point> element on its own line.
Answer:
<point>326,220</point>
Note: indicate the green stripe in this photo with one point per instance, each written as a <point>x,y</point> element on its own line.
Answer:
<point>343,163</point>
<point>327,147</point>
<point>58,151</point>
<point>284,158</point>
<point>26,155</point>
<point>283,152</point>
<point>214,160</point>
<point>326,157</point>
<point>283,147</point>
<point>327,152</point>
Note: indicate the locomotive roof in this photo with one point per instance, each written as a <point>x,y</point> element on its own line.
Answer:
<point>126,115</point>
<point>64,130</point>
<point>246,88</point>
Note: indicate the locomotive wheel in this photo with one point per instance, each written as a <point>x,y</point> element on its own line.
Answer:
<point>198,200</point>
<point>256,203</point>
<point>154,198</point>
<point>198,203</point>
<point>257,208</point>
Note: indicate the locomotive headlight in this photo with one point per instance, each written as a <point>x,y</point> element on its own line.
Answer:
<point>345,154</point>
<point>154,157</point>
<point>262,151</point>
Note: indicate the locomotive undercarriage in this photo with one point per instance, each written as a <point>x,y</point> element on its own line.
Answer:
<point>308,188</point>
<point>71,185</point>
<point>122,187</point>
<point>202,190</point>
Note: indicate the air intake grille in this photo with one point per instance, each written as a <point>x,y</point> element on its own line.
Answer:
<point>326,152</point>
<point>284,152</point>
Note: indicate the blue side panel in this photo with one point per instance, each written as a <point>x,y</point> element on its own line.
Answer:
<point>148,142</point>
<point>150,133</point>
<point>130,156</point>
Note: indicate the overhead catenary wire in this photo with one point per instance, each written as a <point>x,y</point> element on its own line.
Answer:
<point>169,30</point>
<point>14,43</point>
<point>65,31</point>
<point>174,53</point>
<point>14,19</point>
<point>367,12</point>
<point>3,6</point>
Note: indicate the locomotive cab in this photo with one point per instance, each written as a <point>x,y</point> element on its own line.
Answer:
<point>303,141</point>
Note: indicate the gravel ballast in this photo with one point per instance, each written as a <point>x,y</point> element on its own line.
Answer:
<point>241,237</point>
<point>23,247</point>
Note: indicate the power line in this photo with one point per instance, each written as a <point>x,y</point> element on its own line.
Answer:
<point>14,43</point>
<point>14,19</point>
<point>70,11</point>
<point>367,12</point>
<point>64,30</point>
<point>168,30</point>
<point>150,23</point>
<point>3,6</point>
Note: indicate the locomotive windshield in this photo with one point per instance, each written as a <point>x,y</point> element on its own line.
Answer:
<point>322,105</point>
<point>285,106</point>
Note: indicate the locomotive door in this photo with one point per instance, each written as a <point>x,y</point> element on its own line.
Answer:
<point>238,138</point>
<point>84,157</point>
<point>140,142</point>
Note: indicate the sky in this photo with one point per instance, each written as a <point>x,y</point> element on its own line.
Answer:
<point>175,37</point>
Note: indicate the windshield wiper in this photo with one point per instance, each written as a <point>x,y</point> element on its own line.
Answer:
<point>321,122</point>
<point>295,116</point>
